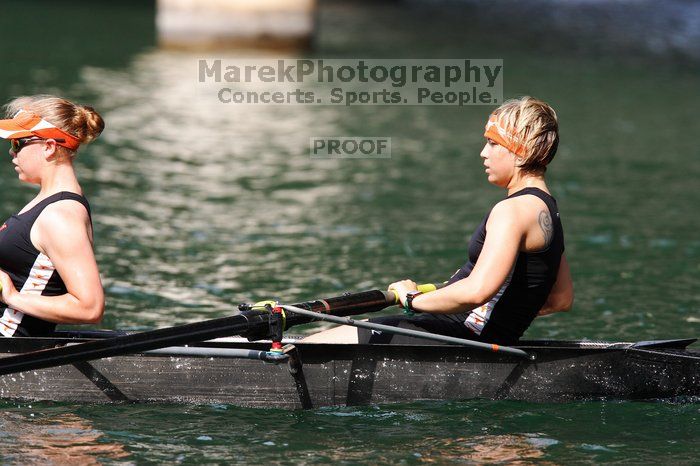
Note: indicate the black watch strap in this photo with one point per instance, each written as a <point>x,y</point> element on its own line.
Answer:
<point>410,296</point>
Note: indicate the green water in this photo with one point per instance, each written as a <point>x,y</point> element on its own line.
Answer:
<point>477,432</point>
<point>199,206</point>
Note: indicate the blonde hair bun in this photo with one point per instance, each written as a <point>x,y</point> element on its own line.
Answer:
<point>90,121</point>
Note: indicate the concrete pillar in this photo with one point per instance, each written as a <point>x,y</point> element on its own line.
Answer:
<point>217,24</point>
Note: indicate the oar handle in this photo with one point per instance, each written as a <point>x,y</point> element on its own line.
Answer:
<point>423,288</point>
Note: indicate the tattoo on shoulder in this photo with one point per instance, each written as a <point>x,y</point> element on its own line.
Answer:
<point>545,221</point>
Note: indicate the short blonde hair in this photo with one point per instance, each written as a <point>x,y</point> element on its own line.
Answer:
<point>534,124</point>
<point>81,121</point>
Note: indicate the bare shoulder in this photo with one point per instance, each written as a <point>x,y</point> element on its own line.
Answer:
<point>531,207</point>
<point>65,208</point>
<point>520,206</point>
<point>506,212</point>
<point>62,214</point>
<point>527,215</point>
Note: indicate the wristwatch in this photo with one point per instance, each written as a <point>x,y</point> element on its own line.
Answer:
<point>408,302</point>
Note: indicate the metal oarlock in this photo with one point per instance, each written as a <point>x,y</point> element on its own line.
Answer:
<point>277,318</point>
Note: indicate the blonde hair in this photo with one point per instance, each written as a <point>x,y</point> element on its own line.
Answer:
<point>81,121</point>
<point>534,124</point>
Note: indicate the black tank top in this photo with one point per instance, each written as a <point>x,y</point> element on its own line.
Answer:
<point>510,312</point>
<point>31,270</point>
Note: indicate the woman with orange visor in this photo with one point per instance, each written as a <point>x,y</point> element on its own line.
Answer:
<point>516,268</point>
<point>48,270</point>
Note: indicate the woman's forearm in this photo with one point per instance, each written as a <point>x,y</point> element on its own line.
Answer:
<point>62,309</point>
<point>458,297</point>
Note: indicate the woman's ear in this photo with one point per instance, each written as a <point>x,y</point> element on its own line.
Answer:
<point>50,150</point>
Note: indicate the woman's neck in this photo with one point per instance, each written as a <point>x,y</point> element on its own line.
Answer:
<point>60,178</point>
<point>527,181</point>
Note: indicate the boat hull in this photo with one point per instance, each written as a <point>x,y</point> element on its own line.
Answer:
<point>338,374</point>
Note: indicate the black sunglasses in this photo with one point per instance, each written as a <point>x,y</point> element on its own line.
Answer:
<point>18,144</point>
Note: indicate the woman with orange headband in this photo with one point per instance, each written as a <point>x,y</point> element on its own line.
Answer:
<point>516,269</point>
<point>48,270</point>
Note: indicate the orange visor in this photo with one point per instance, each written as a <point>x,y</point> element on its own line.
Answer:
<point>496,132</point>
<point>26,124</point>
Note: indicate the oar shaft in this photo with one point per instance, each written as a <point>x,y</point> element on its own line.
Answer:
<point>132,343</point>
<point>356,303</point>
<point>408,332</point>
<point>246,324</point>
<point>350,304</point>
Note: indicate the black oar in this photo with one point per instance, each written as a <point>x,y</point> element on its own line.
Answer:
<point>250,323</point>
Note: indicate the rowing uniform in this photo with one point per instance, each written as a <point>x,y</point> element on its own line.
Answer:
<point>31,270</point>
<point>510,312</point>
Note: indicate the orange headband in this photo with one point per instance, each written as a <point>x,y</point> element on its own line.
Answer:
<point>503,137</point>
<point>26,124</point>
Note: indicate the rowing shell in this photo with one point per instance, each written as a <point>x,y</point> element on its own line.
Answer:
<point>314,375</point>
